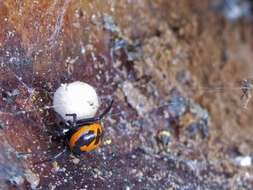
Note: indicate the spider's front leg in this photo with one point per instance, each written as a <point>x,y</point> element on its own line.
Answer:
<point>59,128</point>
<point>61,124</point>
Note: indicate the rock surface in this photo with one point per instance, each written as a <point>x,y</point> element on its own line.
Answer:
<point>174,70</point>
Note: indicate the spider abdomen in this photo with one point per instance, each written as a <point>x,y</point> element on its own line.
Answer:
<point>86,138</point>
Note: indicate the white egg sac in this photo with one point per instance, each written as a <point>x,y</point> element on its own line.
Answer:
<point>76,97</point>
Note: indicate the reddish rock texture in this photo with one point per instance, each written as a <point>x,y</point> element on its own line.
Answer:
<point>174,70</point>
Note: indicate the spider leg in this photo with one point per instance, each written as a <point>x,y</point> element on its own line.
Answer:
<point>37,125</point>
<point>66,123</point>
<point>63,124</point>
<point>46,130</point>
<point>51,124</point>
<point>93,119</point>
<point>53,158</point>
<point>54,132</point>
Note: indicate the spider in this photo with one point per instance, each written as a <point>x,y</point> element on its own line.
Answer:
<point>75,136</point>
